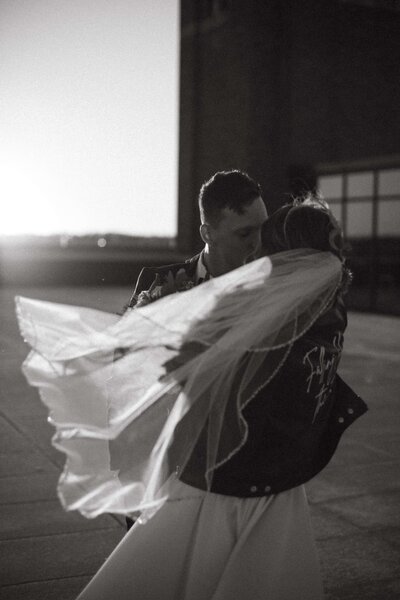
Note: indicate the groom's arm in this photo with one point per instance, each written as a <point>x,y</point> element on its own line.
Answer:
<point>150,277</point>
<point>145,280</point>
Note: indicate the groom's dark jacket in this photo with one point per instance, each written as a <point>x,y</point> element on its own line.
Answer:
<point>148,275</point>
<point>289,440</point>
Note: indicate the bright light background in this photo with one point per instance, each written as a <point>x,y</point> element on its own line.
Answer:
<point>89,116</point>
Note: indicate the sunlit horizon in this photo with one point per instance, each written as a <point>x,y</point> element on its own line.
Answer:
<point>89,117</point>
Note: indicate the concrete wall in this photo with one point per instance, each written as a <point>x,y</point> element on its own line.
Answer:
<point>276,87</point>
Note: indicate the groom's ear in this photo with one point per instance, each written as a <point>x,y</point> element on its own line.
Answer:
<point>205,233</point>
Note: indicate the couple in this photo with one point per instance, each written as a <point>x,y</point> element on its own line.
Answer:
<point>206,411</point>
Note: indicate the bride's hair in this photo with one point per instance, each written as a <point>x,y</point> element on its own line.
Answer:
<point>306,222</point>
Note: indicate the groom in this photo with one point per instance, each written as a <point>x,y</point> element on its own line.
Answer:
<point>232,213</point>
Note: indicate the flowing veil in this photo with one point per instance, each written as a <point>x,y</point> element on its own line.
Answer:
<point>130,396</point>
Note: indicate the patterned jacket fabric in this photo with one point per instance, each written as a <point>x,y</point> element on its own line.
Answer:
<point>148,275</point>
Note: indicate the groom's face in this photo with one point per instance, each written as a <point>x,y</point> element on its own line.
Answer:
<point>236,239</point>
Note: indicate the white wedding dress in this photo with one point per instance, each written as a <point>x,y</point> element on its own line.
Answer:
<point>204,546</point>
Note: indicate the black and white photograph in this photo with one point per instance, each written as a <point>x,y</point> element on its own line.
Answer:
<point>199,300</point>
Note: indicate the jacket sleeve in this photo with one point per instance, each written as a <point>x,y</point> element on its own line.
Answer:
<point>148,275</point>
<point>144,282</point>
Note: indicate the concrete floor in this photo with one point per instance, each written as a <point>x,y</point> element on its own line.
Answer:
<point>49,554</point>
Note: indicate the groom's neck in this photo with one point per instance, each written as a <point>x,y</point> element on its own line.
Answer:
<point>215,263</point>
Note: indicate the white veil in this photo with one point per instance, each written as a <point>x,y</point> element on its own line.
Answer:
<point>130,396</point>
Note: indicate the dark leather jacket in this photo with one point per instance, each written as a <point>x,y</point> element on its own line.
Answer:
<point>295,422</point>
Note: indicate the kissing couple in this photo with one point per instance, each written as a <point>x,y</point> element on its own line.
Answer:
<point>204,409</point>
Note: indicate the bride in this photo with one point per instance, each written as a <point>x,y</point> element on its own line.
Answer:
<point>203,414</point>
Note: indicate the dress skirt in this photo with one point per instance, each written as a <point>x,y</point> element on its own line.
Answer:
<point>205,546</point>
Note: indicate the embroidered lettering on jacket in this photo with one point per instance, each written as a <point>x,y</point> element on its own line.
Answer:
<point>323,365</point>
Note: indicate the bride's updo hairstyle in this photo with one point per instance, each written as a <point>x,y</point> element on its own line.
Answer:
<point>305,223</point>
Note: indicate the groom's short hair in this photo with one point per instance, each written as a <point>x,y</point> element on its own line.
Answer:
<point>226,189</point>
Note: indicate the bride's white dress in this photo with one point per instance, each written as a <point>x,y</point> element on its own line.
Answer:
<point>204,546</point>
<point>130,397</point>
